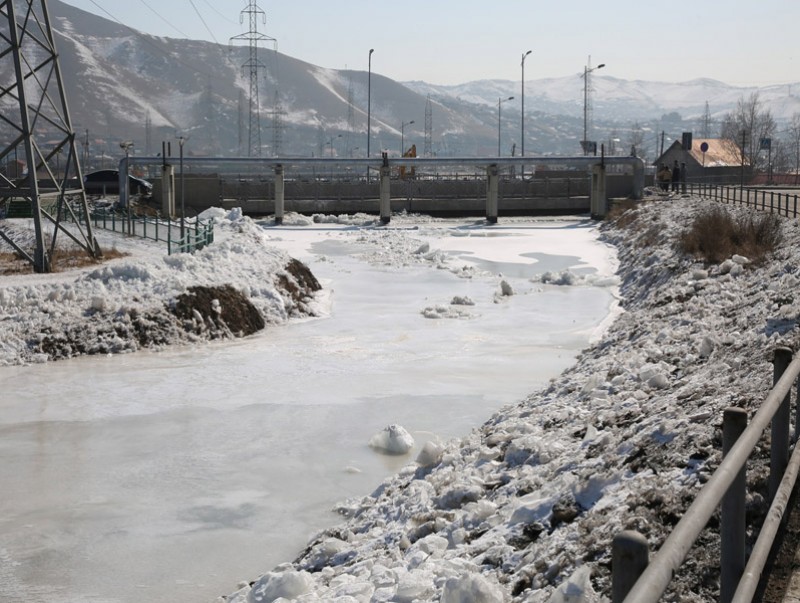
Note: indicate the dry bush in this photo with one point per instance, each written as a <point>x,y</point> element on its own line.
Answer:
<point>620,212</point>
<point>61,261</point>
<point>716,235</point>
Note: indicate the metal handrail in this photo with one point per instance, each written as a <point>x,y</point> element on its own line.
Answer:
<point>655,578</point>
<point>782,203</point>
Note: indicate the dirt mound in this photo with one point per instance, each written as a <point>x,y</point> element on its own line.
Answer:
<point>221,311</point>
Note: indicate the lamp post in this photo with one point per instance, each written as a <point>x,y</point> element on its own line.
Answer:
<point>125,145</point>
<point>369,103</point>
<point>500,101</point>
<point>522,120</point>
<point>181,141</point>
<point>586,72</point>
<point>330,142</point>
<point>402,135</point>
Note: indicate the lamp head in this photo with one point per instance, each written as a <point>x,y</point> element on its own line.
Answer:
<point>600,66</point>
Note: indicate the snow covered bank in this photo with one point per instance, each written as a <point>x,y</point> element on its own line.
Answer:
<point>148,299</point>
<point>524,508</point>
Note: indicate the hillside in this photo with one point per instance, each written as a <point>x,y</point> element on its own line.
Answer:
<point>123,84</point>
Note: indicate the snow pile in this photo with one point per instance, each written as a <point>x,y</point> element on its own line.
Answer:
<point>525,507</point>
<point>148,299</point>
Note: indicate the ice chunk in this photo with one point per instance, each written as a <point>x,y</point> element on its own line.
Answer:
<point>430,455</point>
<point>394,439</point>
<point>471,588</point>
<point>272,586</point>
<point>576,589</point>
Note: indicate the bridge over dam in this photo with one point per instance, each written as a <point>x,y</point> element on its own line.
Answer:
<point>489,186</point>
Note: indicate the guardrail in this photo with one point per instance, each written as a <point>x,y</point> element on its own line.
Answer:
<point>637,580</point>
<point>180,236</point>
<point>783,203</point>
<point>193,239</point>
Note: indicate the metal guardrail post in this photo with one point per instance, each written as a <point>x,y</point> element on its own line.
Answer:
<point>491,193</point>
<point>733,522</point>
<point>629,558</point>
<point>779,453</point>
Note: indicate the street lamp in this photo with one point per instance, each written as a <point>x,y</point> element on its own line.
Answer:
<point>369,103</point>
<point>330,142</point>
<point>125,145</point>
<point>369,99</point>
<point>586,72</point>
<point>522,121</point>
<point>181,141</point>
<point>500,101</point>
<point>402,135</point>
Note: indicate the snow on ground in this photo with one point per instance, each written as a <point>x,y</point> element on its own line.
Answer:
<point>524,507</point>
<point>131,302</point>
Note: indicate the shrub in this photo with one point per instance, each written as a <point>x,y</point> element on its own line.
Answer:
<point>716,235</point>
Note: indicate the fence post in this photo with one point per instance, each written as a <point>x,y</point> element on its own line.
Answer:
<point>629,558</point>
<point>492,177</point>
<point>732,522</point>
<point>779,453</point>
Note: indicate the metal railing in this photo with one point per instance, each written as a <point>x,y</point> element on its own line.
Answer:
<point>635,579</point>
<point>180,236</point>
<point>193,239</point>
<point>780,202</point>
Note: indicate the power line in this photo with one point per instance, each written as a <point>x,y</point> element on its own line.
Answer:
<point>212,7</point>
<point>147,39</point>
<point>208,29</point>
<point>165,20</point>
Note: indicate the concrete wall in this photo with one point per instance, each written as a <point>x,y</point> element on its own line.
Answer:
<point>545,192</point>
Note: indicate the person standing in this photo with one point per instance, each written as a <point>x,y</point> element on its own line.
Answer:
<point>676,176</point>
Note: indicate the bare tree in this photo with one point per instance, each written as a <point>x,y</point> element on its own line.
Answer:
<point>636,139</point>
<point>747,126</point>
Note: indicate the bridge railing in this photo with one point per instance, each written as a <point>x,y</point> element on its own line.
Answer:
<point>635,579</point>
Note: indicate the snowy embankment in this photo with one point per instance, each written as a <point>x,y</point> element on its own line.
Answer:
<point>525,507</point>
<point>148,299</point>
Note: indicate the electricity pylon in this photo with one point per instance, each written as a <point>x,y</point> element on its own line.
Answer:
<point>252,65</point>
<point>34,109</point>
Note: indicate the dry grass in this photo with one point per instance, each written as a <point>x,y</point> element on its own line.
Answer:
<point>716,235</point>
<point>62,261</point>
<point>620,212</point>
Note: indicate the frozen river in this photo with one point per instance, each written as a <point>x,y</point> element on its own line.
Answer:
<point>171,476</point>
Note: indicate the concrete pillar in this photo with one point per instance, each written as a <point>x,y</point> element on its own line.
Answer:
<point>598,203</point>
<point>386,194</point>
<point>279,194</point>
<point>168,190</point>
<point>491,193</point>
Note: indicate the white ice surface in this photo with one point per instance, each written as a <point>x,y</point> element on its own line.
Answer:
<point>170,476</point>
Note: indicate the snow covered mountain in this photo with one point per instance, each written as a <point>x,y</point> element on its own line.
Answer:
<point>123,84</point>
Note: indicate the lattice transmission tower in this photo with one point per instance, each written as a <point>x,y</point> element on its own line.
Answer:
<point>33,108</point>
<point>251,66</point>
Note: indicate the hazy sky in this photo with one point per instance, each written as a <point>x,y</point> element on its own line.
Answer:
<point>455,41</point>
